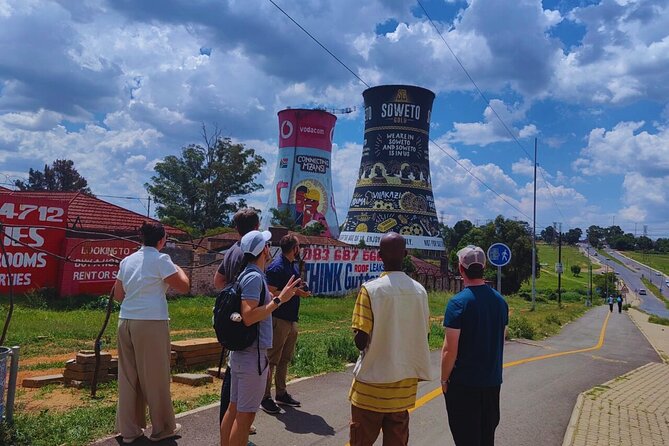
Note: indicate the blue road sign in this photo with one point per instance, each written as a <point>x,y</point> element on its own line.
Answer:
<point>499,254</point>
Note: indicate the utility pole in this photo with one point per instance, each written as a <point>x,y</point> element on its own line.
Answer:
<point>534,230</point>
<point>559,265</point>
<point>148,208</point>
<point>589,303</point>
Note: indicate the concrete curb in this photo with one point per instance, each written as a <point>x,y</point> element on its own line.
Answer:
<point>573,421</point>
<point>660,355</point>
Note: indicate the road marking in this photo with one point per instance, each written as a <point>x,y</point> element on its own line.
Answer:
<point>436,392</point>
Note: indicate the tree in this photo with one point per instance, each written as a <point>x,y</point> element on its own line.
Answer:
<point>572,236</point>
<point>284,217</point>
<point>644,243</point>
<point>517,236</point>
<point>612,233</point>
<point>595,236</point>
<point>548,235</point>
<point>196,187</point>
<point>604,282</point>
<point>60,177</point>
<point>576,270</point>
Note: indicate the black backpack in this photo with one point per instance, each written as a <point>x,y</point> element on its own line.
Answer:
<point>231,332</point>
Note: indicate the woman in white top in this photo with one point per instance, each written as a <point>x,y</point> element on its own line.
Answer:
<point>144,337</point>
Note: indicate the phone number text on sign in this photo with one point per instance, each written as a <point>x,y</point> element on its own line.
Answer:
<point>339,254</point>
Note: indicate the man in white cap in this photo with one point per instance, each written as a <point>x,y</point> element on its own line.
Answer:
<point>471,358</point>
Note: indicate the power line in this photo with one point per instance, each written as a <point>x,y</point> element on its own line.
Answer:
<point>319,43</point>
<point>368,86</point>
<point>487,101</point>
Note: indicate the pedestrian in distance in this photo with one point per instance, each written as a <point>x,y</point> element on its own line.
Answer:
<point>249,367</point>
<point>144,337</point>
<point>391,321</point>
<point>609,300</point>
<point>619,301</point>
<point>245,221</point>
<point>284,325</point>
<point>471,357</point>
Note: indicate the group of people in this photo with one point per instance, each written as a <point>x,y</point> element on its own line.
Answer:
<point>391,324</point>
<point>618,300</point>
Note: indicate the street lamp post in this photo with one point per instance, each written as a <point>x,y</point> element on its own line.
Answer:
<point>588,301</point>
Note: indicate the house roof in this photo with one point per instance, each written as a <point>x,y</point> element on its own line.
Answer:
<point>423,267</point>
<point>88,213</point>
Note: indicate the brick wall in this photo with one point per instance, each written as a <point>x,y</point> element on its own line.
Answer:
<point>202,277</point>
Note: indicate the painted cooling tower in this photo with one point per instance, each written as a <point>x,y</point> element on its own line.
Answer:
<point>394,189</point>
<point>303,178</point>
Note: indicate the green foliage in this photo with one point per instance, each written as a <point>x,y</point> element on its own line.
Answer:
<point>572,236</point>
<point>219,230</point>
<point>284,217</point>
<point>548,235</point>
<point>553,319</point>
<point>407,265</point>
<point>658,320</point>
<point>604,282</point>
<point>196,186</point>
<point>576,270</point>
<point>342,348</point>
<point>516,235</point>
<point>9,435</point>
<point>361,244</point>
<point>521,327</point>
<point>313,228</point>
<point>60,177</point>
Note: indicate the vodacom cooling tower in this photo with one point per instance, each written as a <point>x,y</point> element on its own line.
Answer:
<point>394,188</point>
<point>303,179</point>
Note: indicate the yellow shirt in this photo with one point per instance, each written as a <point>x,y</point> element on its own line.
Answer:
<point>382,397</point>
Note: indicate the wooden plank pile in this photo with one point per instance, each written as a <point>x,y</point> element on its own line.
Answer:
<point>197,352</point>
<point>80,370</point>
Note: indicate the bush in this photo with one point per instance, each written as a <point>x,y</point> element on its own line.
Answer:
<point>11,436</point>
<point>521,327</point>
<point>571,296</point>
<point>626,307</point>
<point>100,303</point>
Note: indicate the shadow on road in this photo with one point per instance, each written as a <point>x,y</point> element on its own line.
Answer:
<point>300,422</point>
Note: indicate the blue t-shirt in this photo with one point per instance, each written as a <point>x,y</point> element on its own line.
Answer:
<point>481,314</point>
<point>278,274</point>
<point>252,280</point>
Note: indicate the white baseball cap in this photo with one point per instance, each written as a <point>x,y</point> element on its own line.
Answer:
<point>254,242</point>
<point>470,255</point>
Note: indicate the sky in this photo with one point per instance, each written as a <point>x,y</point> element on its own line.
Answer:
<point>116,85</point>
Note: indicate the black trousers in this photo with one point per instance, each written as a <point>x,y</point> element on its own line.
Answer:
<point>473,414</point>
<point>225,394</point>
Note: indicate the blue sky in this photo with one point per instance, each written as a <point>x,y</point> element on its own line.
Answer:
<point>117,85</point>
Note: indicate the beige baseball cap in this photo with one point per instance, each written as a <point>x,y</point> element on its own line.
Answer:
<point>470,255</point>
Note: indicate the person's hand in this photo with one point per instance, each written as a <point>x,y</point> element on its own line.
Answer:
<point>290,289</point>
<point>444,386</point>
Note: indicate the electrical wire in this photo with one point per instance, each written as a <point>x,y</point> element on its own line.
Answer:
<point>487,101</point>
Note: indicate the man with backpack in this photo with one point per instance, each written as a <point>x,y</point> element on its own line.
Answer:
<point>245,220</point>
<point>619,301</point>
<point>249,366</point>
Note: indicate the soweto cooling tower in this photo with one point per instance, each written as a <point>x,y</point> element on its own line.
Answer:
<point>394,189</point>
<point>303,179</point>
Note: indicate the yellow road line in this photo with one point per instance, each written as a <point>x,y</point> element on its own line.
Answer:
<point>436,392</point>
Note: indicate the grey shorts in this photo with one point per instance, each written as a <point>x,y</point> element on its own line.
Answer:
<point>247,388</point>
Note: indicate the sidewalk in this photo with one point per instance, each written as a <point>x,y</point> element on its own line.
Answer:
<point>632,409</point>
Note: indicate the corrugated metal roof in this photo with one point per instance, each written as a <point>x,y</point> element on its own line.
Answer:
<point>89,213</point>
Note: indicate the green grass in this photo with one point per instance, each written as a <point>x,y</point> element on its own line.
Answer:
<point>548,278</point>
<point>658,320</point>
<point>659,262</point>
<point>325,344</point>
<point>610,257</point>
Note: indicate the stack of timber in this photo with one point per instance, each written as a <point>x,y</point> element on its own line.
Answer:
<point>197,352</point>
<point>79,371</point>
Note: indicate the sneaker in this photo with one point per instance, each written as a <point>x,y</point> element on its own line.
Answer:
<point>268,405</point>
<point>287,400</point>
<point>253,430</point>
<point>161,437</point>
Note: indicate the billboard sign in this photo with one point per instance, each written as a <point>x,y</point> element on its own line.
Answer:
<point>338,270</point>
<point>394,187</point>
<point>303,177</point>
<point>94,265</point>
<point>32,229</point>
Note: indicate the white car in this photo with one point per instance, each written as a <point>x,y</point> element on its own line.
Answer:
<point>642,292</point>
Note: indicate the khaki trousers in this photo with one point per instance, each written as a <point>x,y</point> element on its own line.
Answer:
<point>366,425</point>
<point>144,377</point>
<point>284,338</point>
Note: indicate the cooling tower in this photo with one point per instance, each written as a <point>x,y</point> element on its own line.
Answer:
<point>303,178</point>
<point>394,188</point>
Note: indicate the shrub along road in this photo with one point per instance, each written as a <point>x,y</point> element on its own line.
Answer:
<point>537,395</point>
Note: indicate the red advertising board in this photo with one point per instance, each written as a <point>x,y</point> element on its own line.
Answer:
<point>93,266</point>
<point>31,229</point>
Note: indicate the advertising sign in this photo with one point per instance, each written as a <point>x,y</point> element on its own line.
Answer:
<point>394,187</point>
<point>95,265</point>
<point>337,270</point>
<point>31,229</point>
<point>303,177</point>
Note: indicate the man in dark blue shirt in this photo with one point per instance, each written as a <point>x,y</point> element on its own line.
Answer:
<point>471,358</point>
<point>284,324</point>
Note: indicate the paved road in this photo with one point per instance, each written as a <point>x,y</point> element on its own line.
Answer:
<point>537,397</point>
<point>632,277</point>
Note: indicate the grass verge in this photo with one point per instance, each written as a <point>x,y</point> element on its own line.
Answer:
<point>325,344</point>
<point>656,291</point>
<point>658,320</point>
